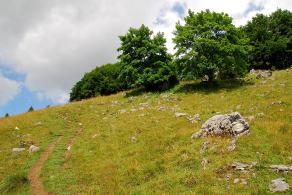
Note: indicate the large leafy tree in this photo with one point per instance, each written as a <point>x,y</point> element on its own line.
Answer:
<point>145,60</point>
<point>271,38</point>
<point>100,81</point>
<point>209,44</point>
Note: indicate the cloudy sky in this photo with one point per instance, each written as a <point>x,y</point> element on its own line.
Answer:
<point>46,46</point>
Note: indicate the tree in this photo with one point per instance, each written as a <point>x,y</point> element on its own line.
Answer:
<point>271,38</point>
<point>102,80</point>
<point>209,43</point>
<point>6,115</point>
<point>145,61</point>
<point>30,109</point>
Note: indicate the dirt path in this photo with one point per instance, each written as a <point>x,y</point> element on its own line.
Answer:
<point>37,187</point>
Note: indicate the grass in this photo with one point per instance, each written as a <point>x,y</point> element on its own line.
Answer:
<point>147,151</point>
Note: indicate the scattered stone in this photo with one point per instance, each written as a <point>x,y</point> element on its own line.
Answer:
<point>250,118</point>
<point>197,117</point>
<point>115,103</point>
<point>133,139</point>
<point>281,168</point>
<point>204,147</point>
<point>17,150</point>
<point>122,111</point>
<point>161,108</point>
<point>180,114</point>
<point>16,128</point>
<point>205,78</point>
<point>232,124</point>
<point>232,146</point>
<point>261,73</point>
<point>241,166</point>
<point>277,103</point>
<point>33,149</point>
<point>240,180</point>
<point>260,115</point>
<point>69,148</point>
<point>80,124</point>
<point>38,123</point>
<point>145,104</point>
<point>279,185</point>
<point>204,163</point>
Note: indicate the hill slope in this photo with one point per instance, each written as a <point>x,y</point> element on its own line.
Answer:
<point>118,144</point>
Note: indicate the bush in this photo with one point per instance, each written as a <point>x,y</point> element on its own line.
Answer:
<point>102,80</point>
<point>12,183</point>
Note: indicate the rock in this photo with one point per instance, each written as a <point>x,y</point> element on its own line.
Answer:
<point>69,148</point>
<point>205,78</point>
<point>123,111</point>
<point>238,107</point>
<point>232,146</point>
<point>240,180</point>
<point>133,139</point>
<point>17,150</point>
<point>279,185</point>
<point>197,117</point>
<point>250,118</point>
<point>260,115</point>
<point>115,103</point>
<point>161,108</point>
<point>277,103</point>
<point>281,168</point>
<point>232,124</point>
<point>33,149</point>
<point>80,124</point>
<point>94,136</point>
<point>242,166</point>
<point>180,114</point>
<point>204,147</point>
<point>16,128</point>
<point>204,163</point>
<point>261,73</point>
<point>145,104</point>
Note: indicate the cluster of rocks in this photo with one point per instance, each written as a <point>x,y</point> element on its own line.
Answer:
<point>232,124</point>
<point>261,73</point>
<point>31,149</point>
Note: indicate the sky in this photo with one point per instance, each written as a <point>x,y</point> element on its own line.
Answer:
<point>47,46</point>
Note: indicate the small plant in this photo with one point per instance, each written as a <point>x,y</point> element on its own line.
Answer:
<point>12,183</point>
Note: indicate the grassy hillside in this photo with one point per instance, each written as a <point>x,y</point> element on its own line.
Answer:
<point>133,143</point>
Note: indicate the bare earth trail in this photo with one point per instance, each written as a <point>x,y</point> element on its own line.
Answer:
<point>37,187</point>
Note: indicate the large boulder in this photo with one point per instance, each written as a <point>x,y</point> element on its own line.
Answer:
<point>232,124</point>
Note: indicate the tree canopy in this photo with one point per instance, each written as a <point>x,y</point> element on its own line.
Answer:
<point>145,61</point>
<point>271,38</point>
<point>209,43</point>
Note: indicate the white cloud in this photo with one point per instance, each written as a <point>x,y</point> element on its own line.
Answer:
<point>54,42</point>
<point>8,89</point>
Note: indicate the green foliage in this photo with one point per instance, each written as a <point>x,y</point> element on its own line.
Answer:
<point>145,60</point>
<point>30,109</point>
<point>12,183</point>
<point>100,81</point>
<point>6,115</point>
<point>209,43</point>
<point>271,38</point>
